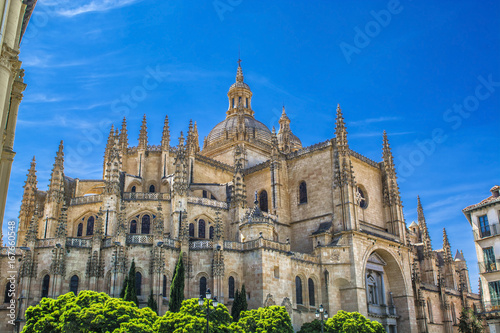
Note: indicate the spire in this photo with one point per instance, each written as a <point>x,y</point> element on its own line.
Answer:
<point>61,230</point>
<point>143,135</point>
<point>165,137</point>
<point>341,132</point>
<point>238,191</point>
<point>113,164</point>
<point>426,239</point>
<point>387,156</point>
<point>239,72</point>
<point>124,135</point>
<point>181,170</point>
<point>56,186</point>
<point>192,143</point>
<point>446,247</point>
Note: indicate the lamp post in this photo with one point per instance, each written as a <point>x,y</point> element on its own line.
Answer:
<point>117,244</point>
<point>322,315</point>
<point>160,265</point>
<point>214,302</point>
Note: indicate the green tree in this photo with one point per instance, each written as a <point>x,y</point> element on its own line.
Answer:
<point>236,308</point>
<point>272,319</point>
<point>468,322</point>
<point>243,301</point>
<point>130,291</point>
<point>311,327</point>
<point>124,288</point>
<point>352,322</point>
<point>177,287</point>
<point>152,304</point>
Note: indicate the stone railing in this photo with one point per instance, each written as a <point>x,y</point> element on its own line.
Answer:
<point>78,242</point>
<point>233,246</point>
<point>145,196</point>
<point>377,232</point>
<point>48,242</point>
<point>363,158</point>
<point>305,257</point>
<point>107,242</point>
<point>266,244</point>
<point>171,243</point>
<point>309,149</point>
<point>86,200</point>
<point>139,239</point>
<point>154,148</point>
<point>207,202</point>
<point>201,245</point>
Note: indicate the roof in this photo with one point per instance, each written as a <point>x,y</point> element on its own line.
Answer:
<point>459,256</point>
<point>323,227</point>
<point>30,5</point>
<point>230,126</point>
<point>413,224</point>
<point>489,200</point>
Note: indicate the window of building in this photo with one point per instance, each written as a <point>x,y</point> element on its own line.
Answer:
<point>233,102</point>
<point>152,189</point>
<point>494,293</point>
<point>73,284</point>
<point>211,232</point>
<point>8,295</point>
<point>298,290</point>
<point>453,314</point>
<point>133,227</point>
<point>201,228</point>
<point>371,283</point>
<point>45,286</point>
<point>263,201</point>
<point>302,193</point>
<point>246,102</point>
<point>362,200</point>
<point>239,101</point>
<point>133,189</point>
<point>191,229</point>
<point>276,272</point>
<point>164,289</point>
<point>138,283</point>
<point>146,222</point>
<point>429,310</point>
<point>489,259</point>
<point>90,226</point>
<point>79,231</point>
<point>203,287</point>
<point>484,226</point>
<point>205,194</point>
<point>310,285</point>
<point>231,287</point>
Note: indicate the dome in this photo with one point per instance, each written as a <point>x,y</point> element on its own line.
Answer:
<point>228,129</point>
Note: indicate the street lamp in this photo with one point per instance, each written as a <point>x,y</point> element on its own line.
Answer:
<point>322,315</point>
<point>117,244</point>
<point>214,302</point>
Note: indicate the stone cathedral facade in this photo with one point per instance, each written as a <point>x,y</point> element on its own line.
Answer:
<point>299,227</point>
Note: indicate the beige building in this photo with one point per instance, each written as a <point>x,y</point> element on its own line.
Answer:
<point>298,226</point>
<point>484,219</point>
<point>13,23</point>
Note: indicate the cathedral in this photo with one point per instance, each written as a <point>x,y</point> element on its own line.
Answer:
<point>298,226</point>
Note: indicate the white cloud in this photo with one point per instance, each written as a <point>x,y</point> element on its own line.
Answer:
<point>95,6</point>
<point>372,120</point>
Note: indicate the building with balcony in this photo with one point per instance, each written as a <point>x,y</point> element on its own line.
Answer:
<point>484,218</point>
<point>298,226</point>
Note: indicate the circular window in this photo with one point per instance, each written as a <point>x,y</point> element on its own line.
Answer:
<point>362,199</point>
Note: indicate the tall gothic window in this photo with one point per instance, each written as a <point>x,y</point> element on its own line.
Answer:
<point>231,287</point>
<point>302,192</point>
<point>152,189</point>
<point>164,291</point>
<point>138,283</point>
<point>7,297</point>
<point>79,231</point>
<point>310,286</point>
<point>362,198</point>
<point>73,284</point>
<point>191,229</point>
<point>45,286</point>
<point>203,286</point>
<point>145,224</point>
<point>133,227</point>
<point>90,226</point>
<point>429,310</point>
<point>372,289</point>
<point>211,232</point>
<point>201,228</point>
<point>298,290</point>
<point>453,314</point>
<point>263,201</point>
<point>133,189</point>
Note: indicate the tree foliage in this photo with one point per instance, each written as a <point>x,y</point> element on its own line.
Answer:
<point>272,319</point>
<point>311,327</point>
<point>177,287</point>
<point>468,323</point>
<point>152,303</point>
<point>130,290</point>
<point>352,322</point>
<point>239,304</point>
<point>88,312</point>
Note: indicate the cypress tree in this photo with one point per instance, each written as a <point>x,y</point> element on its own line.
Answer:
<point>243,295</point>
<point>130,291</point>
<point>152,304</point>
<point>124,287</point>
<point>177,287</point>
<point>236,308</point>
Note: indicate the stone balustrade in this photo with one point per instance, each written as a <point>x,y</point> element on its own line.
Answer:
<point>78,242</point>
<point>207,202</point>
<point>86,200</point>
<point>372,230</point>
<point>145,196</point>
<point>201,245</point>
<point>139,239</point>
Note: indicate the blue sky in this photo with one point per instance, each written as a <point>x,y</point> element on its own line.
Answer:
<point>427,72</point>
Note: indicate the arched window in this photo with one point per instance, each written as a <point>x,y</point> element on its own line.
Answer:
<point>263,201</point>
<point>429,310</point>
<point>201,228</point>
<point>45,286</point>
<point>233,102</point>
<point>145,224</point>
<point>246,104</point>
<point>298,290</point>
<point>90,226</point>
<point>203,286</point>
<point>7,297</point>
<point>133,189</point>
<point>152,189</point>
<point>211,232</point>
<point>302,193</point>
<point>372,289</point>
<point>239,100</point>
<point>231,287</point>
<point>164,291</point>
<point>204,194</point>
<point>310,285</point>
<point>133,227</point>
<point>138,283</point>
<point>73,284</point>
<point>363,203</point>
<point>191,229</point>
<point>79,231</point>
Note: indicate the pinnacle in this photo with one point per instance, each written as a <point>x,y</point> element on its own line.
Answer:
<point>239,73</point>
